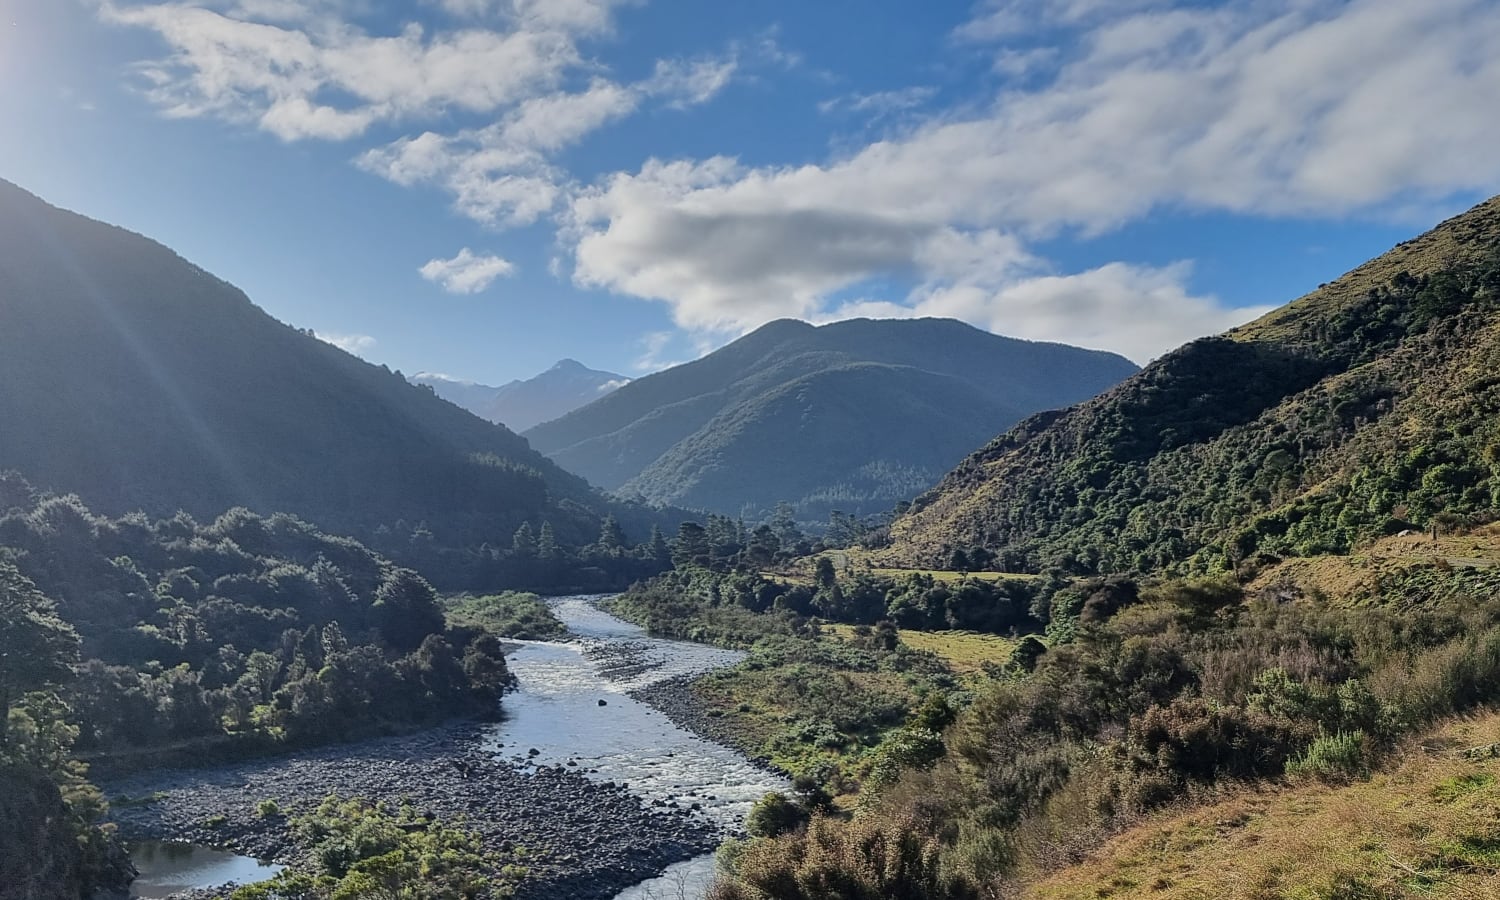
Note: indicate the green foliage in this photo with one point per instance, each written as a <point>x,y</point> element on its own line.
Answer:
<point>1332,757</point>
<point>261,631</point>
<point>364,852</point>
<point>39,648</point>
<point>774,814</point>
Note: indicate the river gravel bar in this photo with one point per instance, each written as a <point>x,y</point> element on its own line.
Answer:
<point>586,839</point>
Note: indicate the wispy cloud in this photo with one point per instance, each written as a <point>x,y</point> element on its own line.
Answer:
<point>357,344</point>
<point>466,273</point>
<point>881,103</point>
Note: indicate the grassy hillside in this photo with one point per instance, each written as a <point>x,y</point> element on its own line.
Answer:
<point>853,416</point>
<point>1367,407</point>
<point>139,381</point>
<point>1426,827</point>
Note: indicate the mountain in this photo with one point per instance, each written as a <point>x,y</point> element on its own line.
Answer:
<point>1369,406</point>
<point>140,381</point>
<point>854,416</point>
<point>520,405</point>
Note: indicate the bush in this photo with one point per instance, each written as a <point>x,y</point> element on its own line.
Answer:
<point>775,814</point>
<point>860,860</point>
<point>267,809</point>
<point>1332,757</point>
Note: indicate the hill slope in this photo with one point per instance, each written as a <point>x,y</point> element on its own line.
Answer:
<point>520,405</point>
<point>1367,406</point>
<point>855,415</point>
<point>139,381</point>
<point>1425,829</point>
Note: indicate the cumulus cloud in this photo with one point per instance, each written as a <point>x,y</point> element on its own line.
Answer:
<point>1273,108</point>
<point>466,273</point>
<point>356,344</point>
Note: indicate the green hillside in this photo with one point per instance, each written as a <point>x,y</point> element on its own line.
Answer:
<point>141,382</point>
<point>1366,407</point>
<point>853,416</point>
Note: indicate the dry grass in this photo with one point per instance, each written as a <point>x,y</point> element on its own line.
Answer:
<point>1357,577</point>
<point>856,561</point>
<point>965,652</point>
<point>1428,827</point>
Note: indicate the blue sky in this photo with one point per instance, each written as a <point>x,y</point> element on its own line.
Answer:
<point>481,187</point>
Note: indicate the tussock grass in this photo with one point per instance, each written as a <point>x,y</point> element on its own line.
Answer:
<point>1427,826</point>
<point>964,652</point>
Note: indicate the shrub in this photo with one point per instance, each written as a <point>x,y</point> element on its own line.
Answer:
<point>860,860</point>
<point>1332,757</point>
<point>267,809</point>
<point>775,814</point>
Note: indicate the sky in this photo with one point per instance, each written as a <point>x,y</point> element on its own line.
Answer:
<point>482,187</point>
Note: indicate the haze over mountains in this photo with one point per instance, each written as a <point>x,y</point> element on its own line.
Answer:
<point>1369,406</point>
<point>853,416</point>
<point>519,405</point>
<point>139,381</point>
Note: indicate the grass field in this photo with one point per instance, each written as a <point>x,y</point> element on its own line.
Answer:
<point>850,562</point>
<point>1427,827</point>
<point>965,652</point>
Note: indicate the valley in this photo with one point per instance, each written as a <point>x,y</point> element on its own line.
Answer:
<point>872,608</point>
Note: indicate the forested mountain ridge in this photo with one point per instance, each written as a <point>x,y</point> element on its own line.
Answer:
<point>855,416</point>
<point>522,404</point>
<point>140,381</point>
<point>1367,406</point>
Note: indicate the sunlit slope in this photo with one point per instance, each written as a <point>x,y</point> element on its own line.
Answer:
<point>1365,407</point>
<point>1428,827</point>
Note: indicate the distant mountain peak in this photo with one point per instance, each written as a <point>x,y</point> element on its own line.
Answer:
<point>524,403</point>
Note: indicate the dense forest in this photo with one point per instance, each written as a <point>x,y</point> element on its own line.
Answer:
<point>853,416</point>
<point>131,641</point>
<point>1367,407</point>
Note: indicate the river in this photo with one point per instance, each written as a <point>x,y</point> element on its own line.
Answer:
<point>570,720</point>
<point>556,711</point>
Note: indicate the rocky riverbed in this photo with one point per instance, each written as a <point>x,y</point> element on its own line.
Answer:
<point>675,698</point>
<point>587,839</point>
<point>605,768</point>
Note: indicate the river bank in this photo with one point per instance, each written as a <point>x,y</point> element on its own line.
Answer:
<point>602,789</point>
<point>585,838</point>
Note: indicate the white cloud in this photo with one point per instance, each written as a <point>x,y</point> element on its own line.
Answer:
<point>502,83</point>
<point>1272,108</point>
<point>881,103</point>
<point>318,76</point>
<point>356,344</point>
<point>653,356</point>
<point>691,82</point>
<point>466,273</point>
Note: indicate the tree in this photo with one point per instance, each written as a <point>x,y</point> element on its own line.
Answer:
<point>524,542</point>
<point>611,537</point>
<point>546,545</point>
<point>406,609</point>
<point>692,546</point>
<point>660,552</point>
<point>37,649</point>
